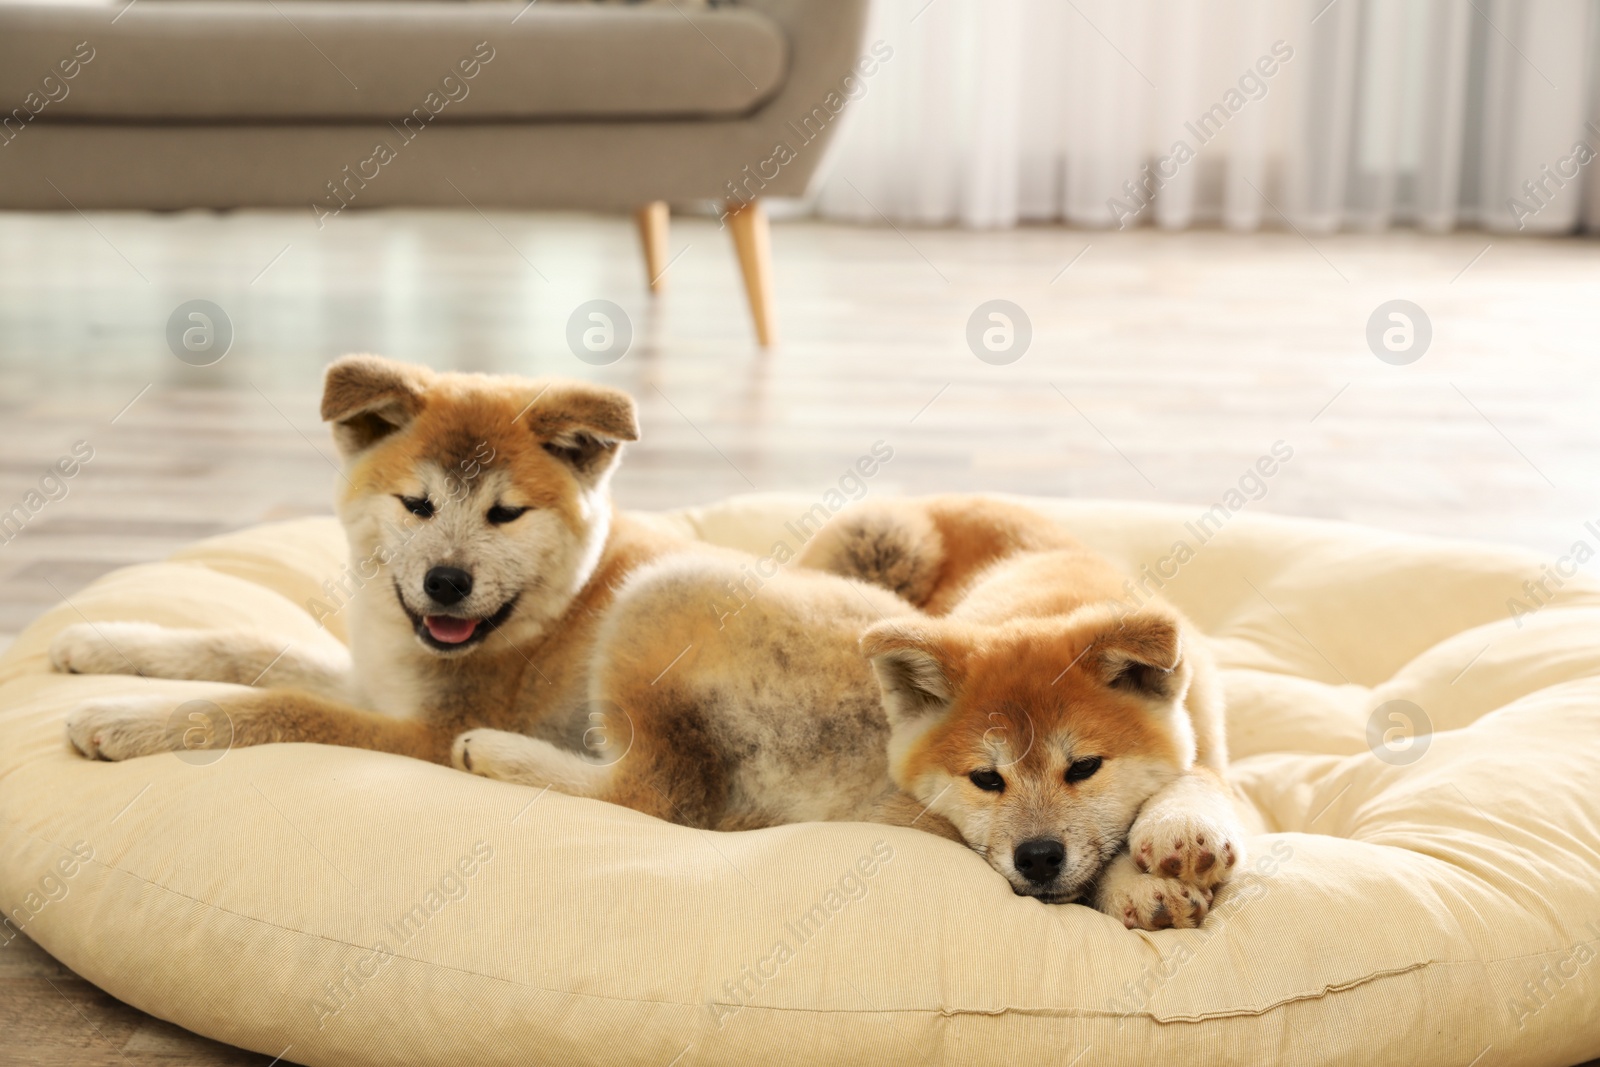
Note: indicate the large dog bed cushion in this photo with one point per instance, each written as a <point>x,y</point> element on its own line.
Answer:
<point>1418,731</point>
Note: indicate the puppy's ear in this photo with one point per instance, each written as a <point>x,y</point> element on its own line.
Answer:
<point>583,425</point>
<point>1140,653</point>
<point>915,669</point>
<point>367,398</point>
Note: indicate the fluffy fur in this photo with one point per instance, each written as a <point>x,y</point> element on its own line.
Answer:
<point>541,582</point>
<point>1028,666</point>
<point>921,643</point>
<point>1018,666</point>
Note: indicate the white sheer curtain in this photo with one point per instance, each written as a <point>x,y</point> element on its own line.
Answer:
<point>1354,114</point>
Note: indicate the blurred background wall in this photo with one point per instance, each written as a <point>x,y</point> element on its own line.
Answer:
<point>1332,114</point>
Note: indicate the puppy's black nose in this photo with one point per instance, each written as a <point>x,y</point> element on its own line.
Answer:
<point>1039,860</point>
<point>447,585</point>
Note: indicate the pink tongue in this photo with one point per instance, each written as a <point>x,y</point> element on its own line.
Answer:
<point>450,631</point>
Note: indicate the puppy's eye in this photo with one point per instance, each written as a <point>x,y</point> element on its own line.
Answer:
<point>988,781</point>
<point>500,514</point>
<point>420,506</point>
<point>1083,768</point>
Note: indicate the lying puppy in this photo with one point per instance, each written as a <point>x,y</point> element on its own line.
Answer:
<point>1077,724</point>
<point>1024,715</point>
<point>481,528</point>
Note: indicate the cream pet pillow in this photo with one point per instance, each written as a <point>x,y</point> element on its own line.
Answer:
<point>1419,898</point>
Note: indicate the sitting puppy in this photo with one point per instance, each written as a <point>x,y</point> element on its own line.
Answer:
<point>480,523</point>
<point>1022,713</point>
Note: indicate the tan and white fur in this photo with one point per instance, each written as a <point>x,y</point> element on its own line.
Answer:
<point>513,474</point>
<point>1031,663</point>
<point>593,654</point>
<point>1027,677</point>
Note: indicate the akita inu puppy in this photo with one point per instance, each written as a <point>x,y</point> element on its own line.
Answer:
<point>1076,723</point>
<point>1050,731</point>
<point>481,527</point>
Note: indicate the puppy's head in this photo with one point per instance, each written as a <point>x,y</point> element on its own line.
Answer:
<point>1039,739</point>
<point>473,504</point>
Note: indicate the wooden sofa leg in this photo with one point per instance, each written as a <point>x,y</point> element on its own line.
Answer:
<point>752,239</point>
<point>652,219</point>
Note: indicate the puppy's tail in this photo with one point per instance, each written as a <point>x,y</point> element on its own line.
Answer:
<point>890,544</point>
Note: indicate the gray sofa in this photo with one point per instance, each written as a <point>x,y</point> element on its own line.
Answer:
<point>334,105</point>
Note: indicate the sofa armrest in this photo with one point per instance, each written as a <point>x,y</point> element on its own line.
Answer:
<point>830,62</point>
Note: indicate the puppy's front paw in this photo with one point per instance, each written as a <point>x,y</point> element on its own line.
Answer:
<point>101,647</point>
<point>1152,903</point>
<point>1192,846</point>
<point>510,757</point>
<point>488,753</point>
<point>1149,901</point>
<point>120,728</point>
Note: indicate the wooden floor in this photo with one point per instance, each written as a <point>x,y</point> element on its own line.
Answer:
<point>49,1017</point>
<point>1161,366</point>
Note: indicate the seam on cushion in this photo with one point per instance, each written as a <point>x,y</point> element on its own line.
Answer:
<point>945,1012</point>
<point>1226,1013</point>
<point>257,920</point>
<point>1331,987</point>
